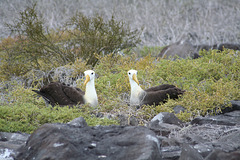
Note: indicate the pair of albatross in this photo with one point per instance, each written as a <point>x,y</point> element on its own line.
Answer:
<point>61,94</point>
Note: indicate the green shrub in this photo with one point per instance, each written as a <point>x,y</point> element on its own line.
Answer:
<point>35,47</point>
<point>210,83</point>
<point>92,36</point>
<point>28,117</point>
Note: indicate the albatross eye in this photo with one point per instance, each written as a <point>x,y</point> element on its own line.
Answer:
<point>129,73</point>
<point>92,73</point>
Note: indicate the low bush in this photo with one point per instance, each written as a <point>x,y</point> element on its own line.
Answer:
<point>210,83</point>
<point>28,117</point>
<point>36,47</point>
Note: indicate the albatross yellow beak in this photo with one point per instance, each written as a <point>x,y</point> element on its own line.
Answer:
<point>135,78</point>
<point>87,80</point>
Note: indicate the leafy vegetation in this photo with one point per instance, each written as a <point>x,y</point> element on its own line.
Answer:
<point>83,37</point>
<point>91,37</point>
<point>28,117</point>
<point>210,83</point>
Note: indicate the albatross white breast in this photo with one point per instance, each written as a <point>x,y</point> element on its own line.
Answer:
<point>153,95</point>
<point>61,94</point>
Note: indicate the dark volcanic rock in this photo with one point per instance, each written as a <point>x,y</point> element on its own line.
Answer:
<point>10,142</point>
<point>163,129</point>
<point>171,152</point>
<point>221,155</point>
<point>80,121</point>
<point>62,141</point>
<point>166,117</point>
<point>177,109</point>
<point>204,148</point>
<point>229,119</point>
<point>189,153</point>
<point>125,120</point>
<point>229,142</point>
<point>235,106</point>
<point>184,49</point>
<point>221,46</point>
<point>181,49</point>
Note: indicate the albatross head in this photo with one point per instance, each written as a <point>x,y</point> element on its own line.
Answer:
<point>136,90</point>
<point>90,93</point>
<point>132,74</point>
<point>90,76</point>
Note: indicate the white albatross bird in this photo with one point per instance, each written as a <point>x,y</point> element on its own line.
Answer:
<point>153,95</point>
<point>57,93</point>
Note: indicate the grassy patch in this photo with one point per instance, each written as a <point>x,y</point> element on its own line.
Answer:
<point>27,117</point>
<point>210,83</point>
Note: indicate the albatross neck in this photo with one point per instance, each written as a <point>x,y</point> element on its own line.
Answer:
<point>135,88</point>
<point>91,94</point>
<point>136,92</point>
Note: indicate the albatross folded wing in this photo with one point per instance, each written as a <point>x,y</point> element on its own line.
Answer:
<point>155,97</point>
<point>74,94</point>
<point>160,87</point>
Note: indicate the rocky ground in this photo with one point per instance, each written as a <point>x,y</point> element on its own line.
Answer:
<point>165,137</point>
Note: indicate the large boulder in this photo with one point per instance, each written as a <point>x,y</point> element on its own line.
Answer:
<point>165,117</point>
<point>10,142</point>
<point>229,119</point>
<point>233,46</point>
<point>64,141</point>
<point>184,49</point>
<point>189,153</point>
<point>181,49</point>
<point>221,155</point>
